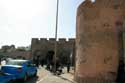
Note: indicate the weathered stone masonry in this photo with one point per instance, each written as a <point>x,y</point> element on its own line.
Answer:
<point>42,46</point>
<point>97,40</point>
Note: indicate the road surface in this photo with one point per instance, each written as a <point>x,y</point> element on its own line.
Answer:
<point>45,76</point>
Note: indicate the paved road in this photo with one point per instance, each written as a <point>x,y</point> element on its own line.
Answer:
<point>42,73</point>
<point>45,76</point>
<point>55,79</point>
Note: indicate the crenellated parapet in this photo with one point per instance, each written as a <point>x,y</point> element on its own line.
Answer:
<point>35,41</point>
<point>51,40</point>
<point>71,40</point>
<point>62,40</point>
<point>43,40</point>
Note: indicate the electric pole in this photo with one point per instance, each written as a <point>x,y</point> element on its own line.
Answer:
<point>55,54</point>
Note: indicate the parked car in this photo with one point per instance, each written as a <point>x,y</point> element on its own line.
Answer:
<point>6,78</point>
<point>21,69</point>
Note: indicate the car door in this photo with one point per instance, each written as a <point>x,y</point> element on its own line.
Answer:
<point>31,69</point>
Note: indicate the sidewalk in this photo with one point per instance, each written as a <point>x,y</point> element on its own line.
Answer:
<point>63,78</point>
<point>55,79</point>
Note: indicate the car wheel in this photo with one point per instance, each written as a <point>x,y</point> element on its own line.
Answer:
<point>35,74</point>
<point>11,81</point>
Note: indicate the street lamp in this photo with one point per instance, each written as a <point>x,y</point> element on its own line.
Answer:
<point>55,55</point>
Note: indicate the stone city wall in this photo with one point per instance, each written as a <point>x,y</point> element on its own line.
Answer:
<point>41,46</point>
<point>97,41</point>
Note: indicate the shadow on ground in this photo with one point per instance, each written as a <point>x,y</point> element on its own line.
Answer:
<point>65,79</point>
<point>30,80</point>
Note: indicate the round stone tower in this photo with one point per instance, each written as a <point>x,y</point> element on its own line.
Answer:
<point>98,43</point>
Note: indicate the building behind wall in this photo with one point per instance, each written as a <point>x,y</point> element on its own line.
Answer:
<point>40,47</point>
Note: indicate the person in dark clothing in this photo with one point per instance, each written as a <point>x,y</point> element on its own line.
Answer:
<point>49,59</point>
<point>68,63</point>
<point>42,62</point>
<point>58,66</point>
<point>36,61</point>
<point>68,66</point>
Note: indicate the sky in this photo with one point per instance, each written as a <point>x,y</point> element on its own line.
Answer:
<point>21,20</point>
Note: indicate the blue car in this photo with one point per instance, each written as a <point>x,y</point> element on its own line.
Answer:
<point>21,69</point>
<point>6,78</point>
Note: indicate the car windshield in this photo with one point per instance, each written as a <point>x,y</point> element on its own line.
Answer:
<point>15,62</point>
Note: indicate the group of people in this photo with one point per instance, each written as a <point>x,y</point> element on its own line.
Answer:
<point>53,64</point>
